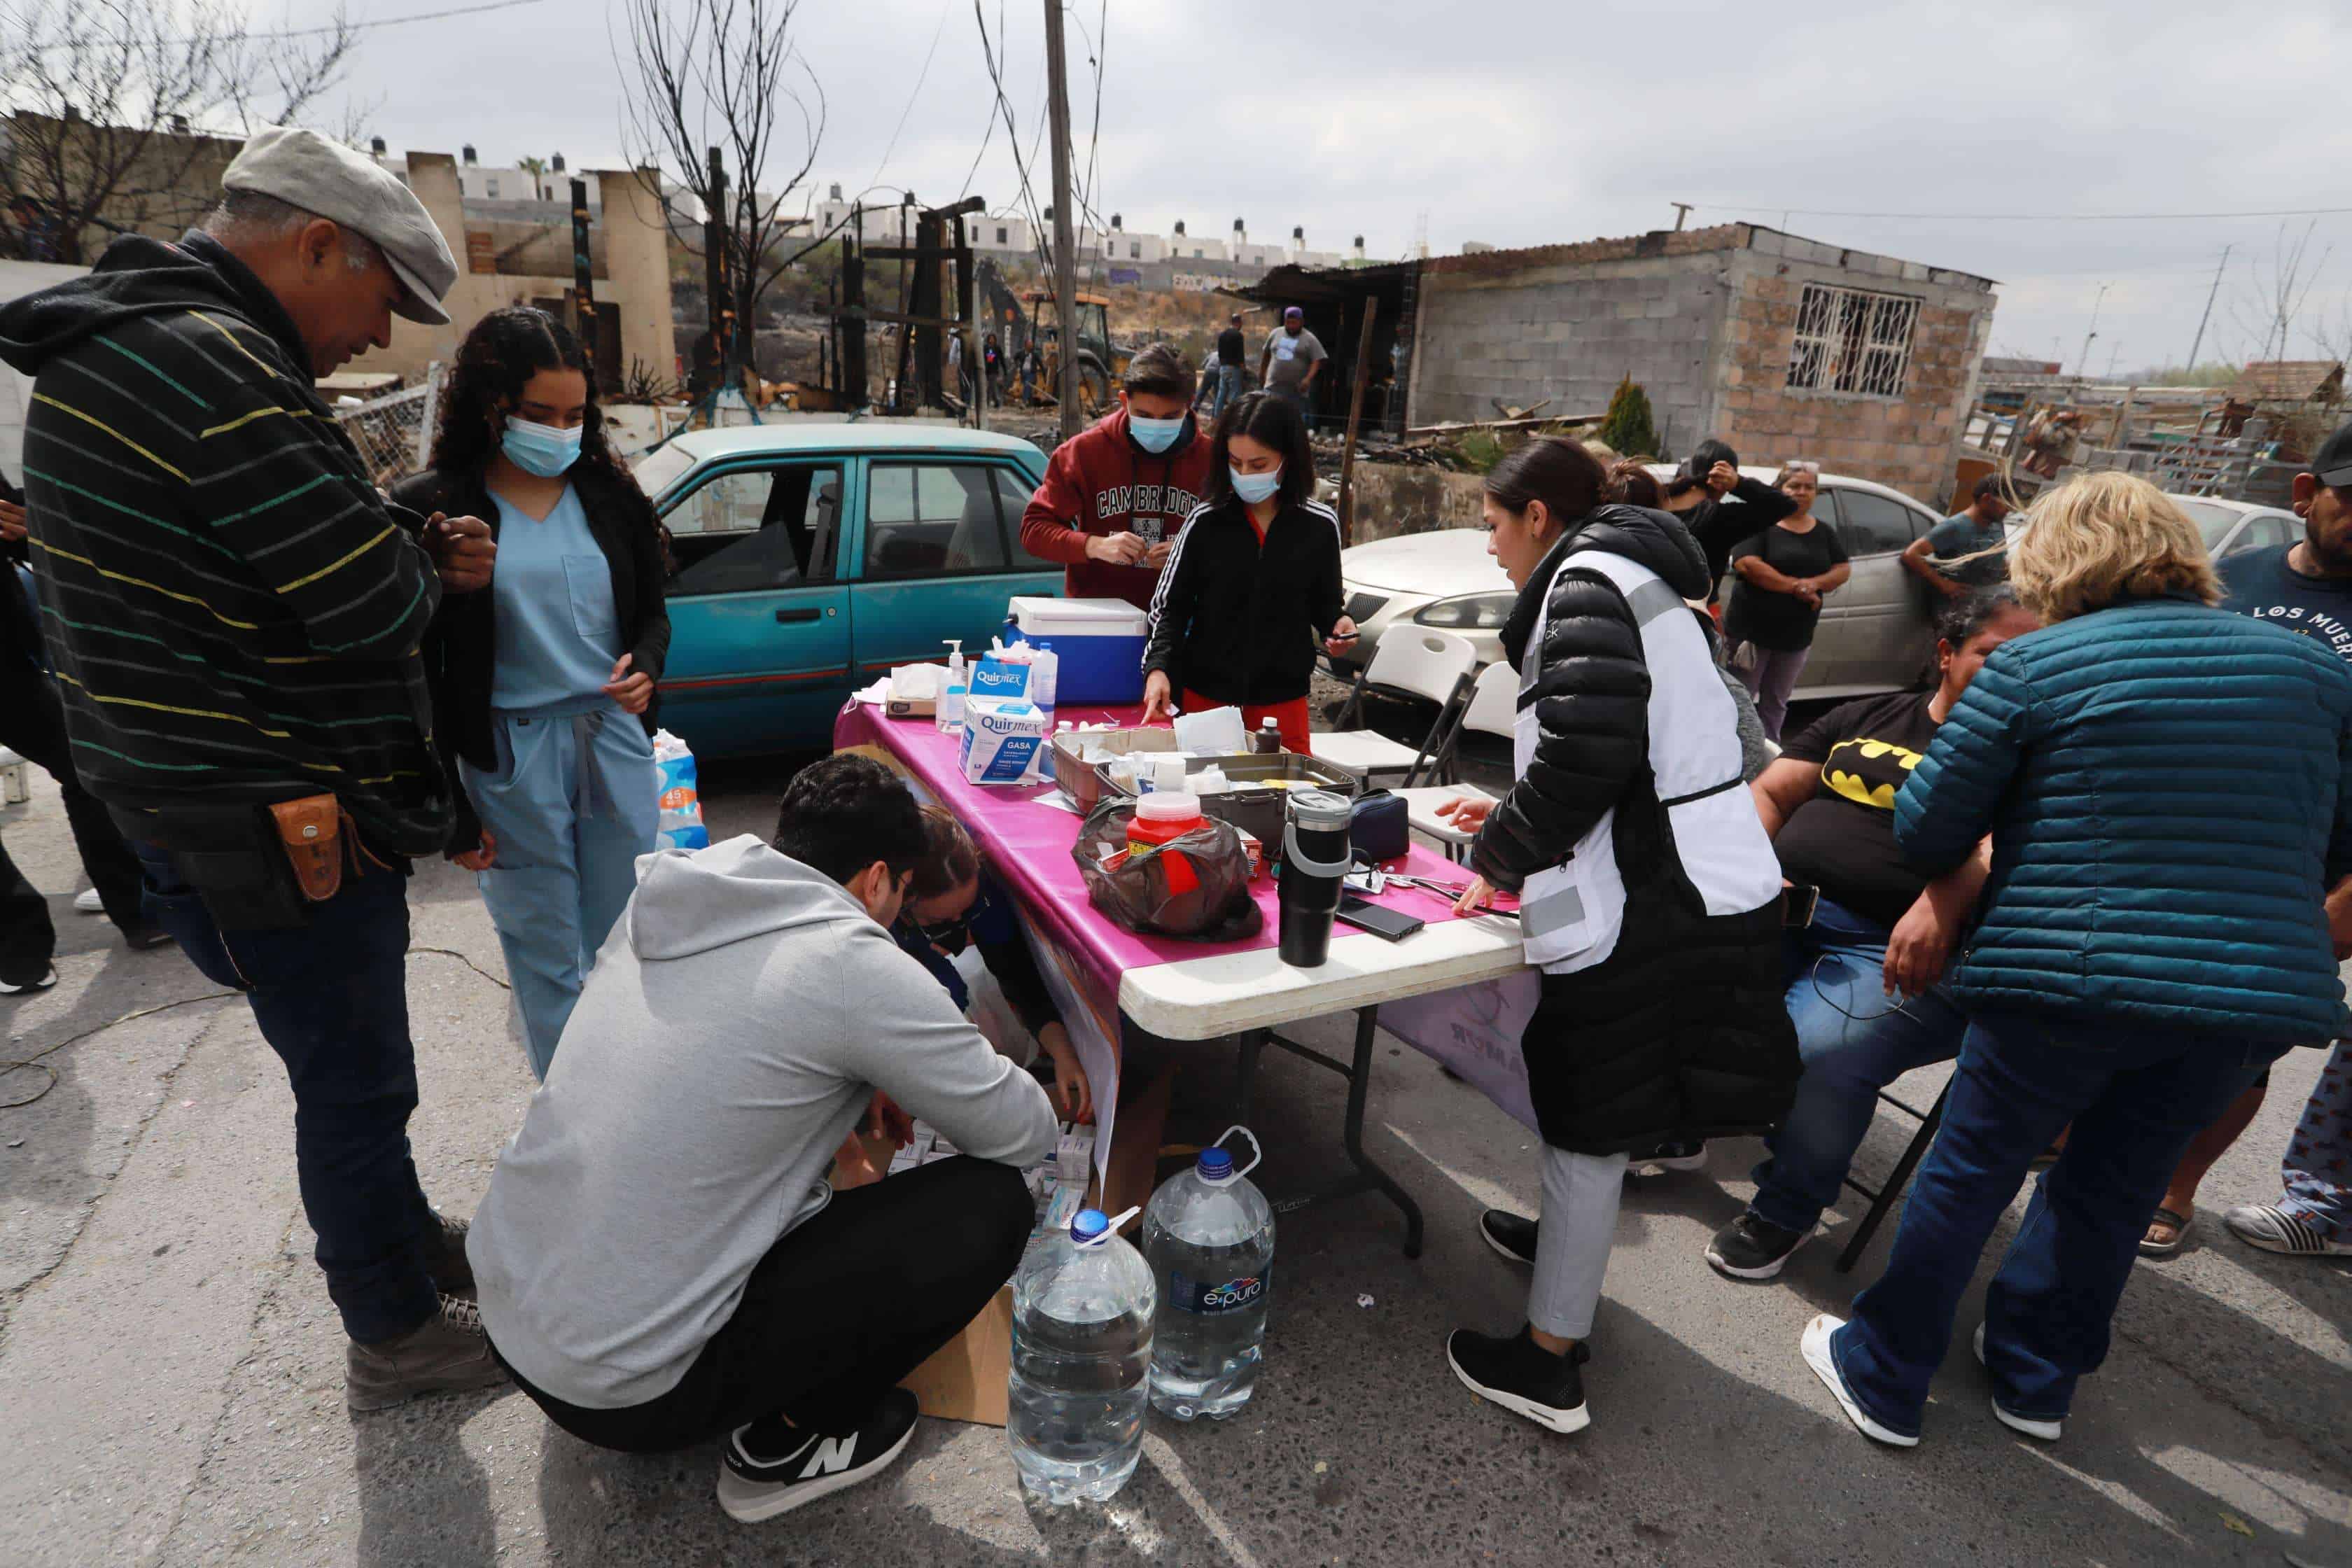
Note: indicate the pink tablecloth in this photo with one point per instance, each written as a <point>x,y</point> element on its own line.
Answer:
<point>1028,846</point>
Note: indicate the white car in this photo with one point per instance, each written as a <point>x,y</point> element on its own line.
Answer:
<point>1876,633</point>
<point>2230,527</point>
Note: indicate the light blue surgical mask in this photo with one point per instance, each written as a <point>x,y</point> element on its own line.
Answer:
<point>1254,488</point>
<point>541,449</point>
<point>1154,435</point>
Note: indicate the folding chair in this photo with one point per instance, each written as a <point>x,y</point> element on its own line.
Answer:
<point>1419,661</point>
<point>1494,703</point>
<point>1881,1199</point>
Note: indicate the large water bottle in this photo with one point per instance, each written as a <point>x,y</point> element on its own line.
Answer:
<point>1208,1237</point>
<point>1082,1311</point>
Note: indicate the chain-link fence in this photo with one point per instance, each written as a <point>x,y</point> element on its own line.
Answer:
<point>393,433</point>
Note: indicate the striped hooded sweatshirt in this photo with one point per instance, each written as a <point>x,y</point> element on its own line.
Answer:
<point>232,610</point>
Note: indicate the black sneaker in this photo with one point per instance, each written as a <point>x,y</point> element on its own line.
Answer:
<point>1752,1248</point>
<point>1513,1235</point>
<point>1523,1377</point>
<point>1674,1154</point>
<point>754,1487</point>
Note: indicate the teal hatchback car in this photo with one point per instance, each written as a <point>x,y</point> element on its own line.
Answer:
<point>810,558</point>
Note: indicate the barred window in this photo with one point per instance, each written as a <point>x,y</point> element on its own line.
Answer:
<point>1852,341</point>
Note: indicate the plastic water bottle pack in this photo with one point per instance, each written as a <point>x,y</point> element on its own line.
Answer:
<point>1082,1315</point>
<point>1208,1236</point>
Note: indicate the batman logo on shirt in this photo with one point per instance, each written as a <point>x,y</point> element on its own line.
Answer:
<point>1868,772</point>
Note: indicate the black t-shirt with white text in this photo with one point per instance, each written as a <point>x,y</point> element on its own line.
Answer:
<point>2262,585</point>
<point>1841,839</point>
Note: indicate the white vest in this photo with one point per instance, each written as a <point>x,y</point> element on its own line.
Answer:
<point>1570,914</point>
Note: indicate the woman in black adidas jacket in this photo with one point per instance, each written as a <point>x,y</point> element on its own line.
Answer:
<point>1254,581</point>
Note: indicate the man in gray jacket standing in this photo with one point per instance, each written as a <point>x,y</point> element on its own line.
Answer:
<point>660,1260</point>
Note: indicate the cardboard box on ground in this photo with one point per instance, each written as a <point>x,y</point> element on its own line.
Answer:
<point>965,1381</point>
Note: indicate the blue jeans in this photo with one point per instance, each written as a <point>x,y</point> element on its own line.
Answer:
<point>1229,386</point>
<point>1854,1043</point>
<point>2135,1097</point>
<point>2317,1169</point>
<point>331,998</point>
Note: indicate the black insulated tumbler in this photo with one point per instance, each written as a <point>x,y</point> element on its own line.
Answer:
<point>1316,853</point>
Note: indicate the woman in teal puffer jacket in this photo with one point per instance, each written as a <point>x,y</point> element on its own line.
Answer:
<point>2168,788</point>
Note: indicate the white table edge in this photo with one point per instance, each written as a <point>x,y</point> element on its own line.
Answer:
<point>1228,993</point>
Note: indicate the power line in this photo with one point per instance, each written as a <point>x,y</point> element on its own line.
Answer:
<point>336,30</point>
<point>2031,217</point>
<point>920,76</point>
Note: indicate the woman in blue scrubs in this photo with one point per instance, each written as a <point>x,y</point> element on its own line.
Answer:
<point>544,682</point>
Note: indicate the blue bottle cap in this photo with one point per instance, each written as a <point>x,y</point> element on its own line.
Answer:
<point>1215,1165</point>
<point>1090,1223</point>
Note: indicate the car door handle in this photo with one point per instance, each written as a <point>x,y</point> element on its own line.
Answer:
<point>788,616</point>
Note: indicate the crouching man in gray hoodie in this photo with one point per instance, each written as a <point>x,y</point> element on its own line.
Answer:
<point>660,1260</point>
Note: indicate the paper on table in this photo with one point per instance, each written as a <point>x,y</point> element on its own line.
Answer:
<point>1212,731</point>
<point>1060,801</point>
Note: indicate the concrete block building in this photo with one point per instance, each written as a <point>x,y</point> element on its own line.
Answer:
<point>1785,347</point>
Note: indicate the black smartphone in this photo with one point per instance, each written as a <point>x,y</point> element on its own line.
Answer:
<point>1797,902</point>
<point>1378,919</point>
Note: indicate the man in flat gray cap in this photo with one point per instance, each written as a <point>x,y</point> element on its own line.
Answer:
<point>235,614</point>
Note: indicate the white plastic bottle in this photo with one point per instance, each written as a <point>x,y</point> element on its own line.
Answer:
<point>951,712</point>
<point>1082,1315</point>
<point>1208,1236</point>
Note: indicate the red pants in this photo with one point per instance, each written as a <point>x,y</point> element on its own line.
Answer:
<point>1289,717</point>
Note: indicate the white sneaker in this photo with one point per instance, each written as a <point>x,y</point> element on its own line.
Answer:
<point>1816,1345</point>
<point>88,902</point>
<point>2048,1431</point>
<point>2275,1230</point>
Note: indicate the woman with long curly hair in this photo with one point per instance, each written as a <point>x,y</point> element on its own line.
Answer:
<point>544,683</point>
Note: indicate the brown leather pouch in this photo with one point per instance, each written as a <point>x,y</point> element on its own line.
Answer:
<point>310,831</point>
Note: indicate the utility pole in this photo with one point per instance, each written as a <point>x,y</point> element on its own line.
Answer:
<point>2198,341</point>
<point>1682,211</point>
<point>715,286</point>
<point>1066,245</point>
<point>2083,362</point>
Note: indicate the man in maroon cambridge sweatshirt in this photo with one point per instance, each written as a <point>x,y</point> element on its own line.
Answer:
<point>1115,494</point>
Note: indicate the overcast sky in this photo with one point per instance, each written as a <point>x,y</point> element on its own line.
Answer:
<point>1530,121</point>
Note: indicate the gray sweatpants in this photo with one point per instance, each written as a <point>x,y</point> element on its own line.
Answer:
<point>1581,1193</point>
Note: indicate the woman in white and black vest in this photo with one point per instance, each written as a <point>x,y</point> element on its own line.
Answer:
<point>1648,893</point>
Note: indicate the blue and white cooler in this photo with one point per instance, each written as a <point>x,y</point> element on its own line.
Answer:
<point>1097,643</point>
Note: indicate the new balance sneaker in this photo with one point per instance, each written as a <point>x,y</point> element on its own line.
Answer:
<point>1523,1377</point>
<point>753,1485</point>
<point>1752,1248</point>
<point>2048,1431</point>
<point>48,978</point>
<point>447,1350</point>
<point>1513,1235</point>
<point>2275,1230</point>
<point>88,902</point>
<point>1816,1346</point>
<point>445,1255</point>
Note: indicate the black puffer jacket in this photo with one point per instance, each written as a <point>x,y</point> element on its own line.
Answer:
<point>1680,1033</point>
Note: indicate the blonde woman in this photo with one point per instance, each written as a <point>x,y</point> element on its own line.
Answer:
<point>2166,789</point>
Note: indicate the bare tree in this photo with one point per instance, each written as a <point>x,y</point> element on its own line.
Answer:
<point>725,75</point>
<point>2268,308</point>
<point>113,105</point>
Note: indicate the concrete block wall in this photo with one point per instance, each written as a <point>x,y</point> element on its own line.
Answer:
<point>1911,442</point>
<point>1569,331</point>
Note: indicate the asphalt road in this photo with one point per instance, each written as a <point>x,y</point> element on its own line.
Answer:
<point>171,1370</point>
